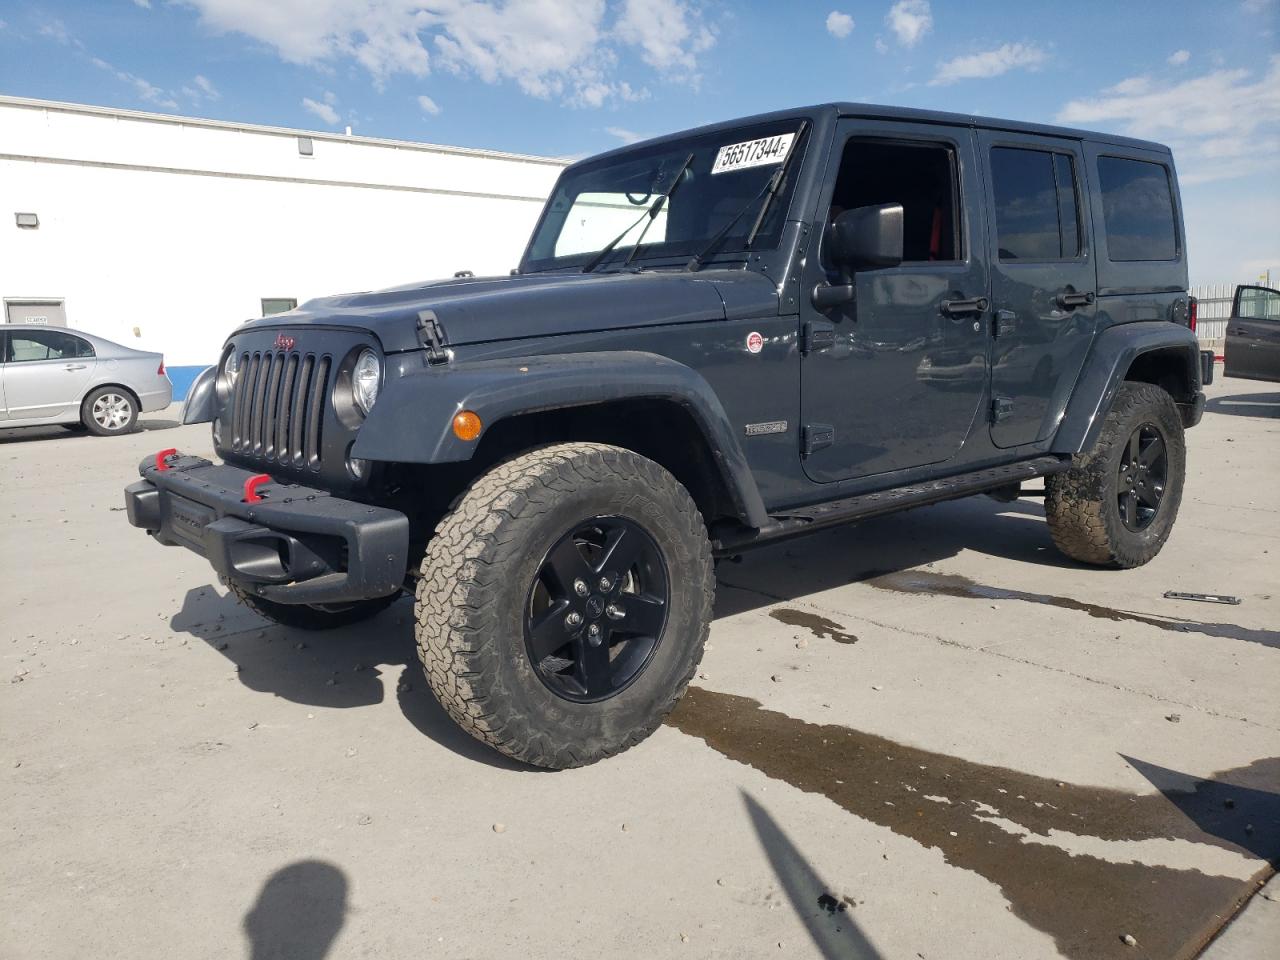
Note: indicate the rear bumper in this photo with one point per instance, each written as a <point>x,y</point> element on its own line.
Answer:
<point>159,396</point>
<point>297,545</point>
<point>1193,412</point>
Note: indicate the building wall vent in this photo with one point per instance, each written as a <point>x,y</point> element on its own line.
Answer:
<point>305,147</point>
<point>27,221</point>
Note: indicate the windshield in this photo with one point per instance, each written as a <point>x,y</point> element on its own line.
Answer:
<point>595,203</point>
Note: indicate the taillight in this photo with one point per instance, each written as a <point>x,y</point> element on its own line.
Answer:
<point>160,369</point>
<point>1193,312</point>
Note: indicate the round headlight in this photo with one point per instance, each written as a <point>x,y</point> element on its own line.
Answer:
<point>366,378</point>
<point>231,367</point>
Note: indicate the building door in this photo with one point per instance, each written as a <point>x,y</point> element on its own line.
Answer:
<point>894,380</point>
<point>51,312</point>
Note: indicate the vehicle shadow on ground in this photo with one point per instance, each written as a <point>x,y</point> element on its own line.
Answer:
<point>36,434</point>
<point>348,667</point>
<point>299,912</point>
<point>884,545</point>
<point>334,669</point>
<point>824,913</point>
<point>1264,405</point>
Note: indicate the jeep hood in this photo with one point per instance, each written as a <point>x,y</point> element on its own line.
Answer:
<point>485,309</point>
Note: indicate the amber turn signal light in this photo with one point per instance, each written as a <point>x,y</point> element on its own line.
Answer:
<point>466,425</point>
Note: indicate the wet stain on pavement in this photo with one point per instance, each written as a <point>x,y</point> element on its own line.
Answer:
<point>820,627</point>
<point>954,585</point>
<point>1084,902</point>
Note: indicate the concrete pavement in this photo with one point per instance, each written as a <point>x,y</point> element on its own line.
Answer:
<point>929,736</point>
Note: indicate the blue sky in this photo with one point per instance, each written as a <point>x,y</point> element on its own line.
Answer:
<point>571,77</point>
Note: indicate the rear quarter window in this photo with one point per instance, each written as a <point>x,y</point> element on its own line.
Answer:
<point>1137,208</point>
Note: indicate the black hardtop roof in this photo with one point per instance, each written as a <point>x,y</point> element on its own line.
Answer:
<point>881,112</point>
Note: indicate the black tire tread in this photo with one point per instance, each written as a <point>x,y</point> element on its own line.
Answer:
<point>467,557</point>
<point>1076,500</point>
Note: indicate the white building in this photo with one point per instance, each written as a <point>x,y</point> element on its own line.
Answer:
<point>166,232</point>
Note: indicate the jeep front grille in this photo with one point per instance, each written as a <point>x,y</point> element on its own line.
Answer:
<point>278,407</point>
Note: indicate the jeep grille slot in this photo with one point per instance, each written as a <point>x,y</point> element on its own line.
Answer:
<point>278,407</point>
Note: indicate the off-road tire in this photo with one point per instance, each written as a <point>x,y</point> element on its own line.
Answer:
<point>473,596</point>
<point>304,617</point>
<point>1081,504</point>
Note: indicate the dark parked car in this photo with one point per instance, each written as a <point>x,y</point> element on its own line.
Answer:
<point>1253,335</point>
<point>714,341</point>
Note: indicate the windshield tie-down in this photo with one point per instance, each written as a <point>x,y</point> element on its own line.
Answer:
<point>767,193</point>
<point>651,213</point>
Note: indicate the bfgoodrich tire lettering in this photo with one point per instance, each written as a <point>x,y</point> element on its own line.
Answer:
<point>475,587</point>
<point>1083,505</point>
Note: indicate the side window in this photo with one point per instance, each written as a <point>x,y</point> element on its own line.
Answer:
<point>1137,209</point>
<point>1036,204</point>
<point>1258,303</point>
<point>26,345</point>
<point>920,176</point>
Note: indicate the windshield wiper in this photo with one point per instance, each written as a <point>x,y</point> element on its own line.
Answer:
<point>658,205</point>
<point>651,213</point>
<point>768,193</point>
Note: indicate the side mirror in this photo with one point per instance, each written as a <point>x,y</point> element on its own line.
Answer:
<point>867,237</point>
<point>862,238</point>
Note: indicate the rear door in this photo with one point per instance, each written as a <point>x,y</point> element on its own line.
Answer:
<point>1253,334</point>
<point>45,373</point>
<point>1043,281</point>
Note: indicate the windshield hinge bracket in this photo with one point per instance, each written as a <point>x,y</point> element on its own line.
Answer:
<point>431,336</point>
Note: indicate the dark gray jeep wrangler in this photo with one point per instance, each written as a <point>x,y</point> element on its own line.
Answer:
<point>715,340</point>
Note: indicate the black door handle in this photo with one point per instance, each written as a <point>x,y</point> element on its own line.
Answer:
<point>1069,300</point>
<point>958,308</point>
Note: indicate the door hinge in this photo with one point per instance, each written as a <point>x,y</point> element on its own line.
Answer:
<point>431,336</point>
<point>1005,322</point>
<point>817,436</point>
<point>816,335</point>
<point>1001,409</point>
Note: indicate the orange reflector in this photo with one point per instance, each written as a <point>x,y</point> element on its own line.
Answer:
<point>466,425</point>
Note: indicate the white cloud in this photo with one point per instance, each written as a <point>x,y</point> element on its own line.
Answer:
<point>204,85</point>
<point>623,134</point>
<point>322,110</point>
<point>881,46</point>
<point>910,20</point>
<point>567,49</point>
<point>989,63</point>
<point>428,105</point>
<point>839,24</point>
<point>1220,124</point>
<point>144,4</point>
<point>1256,6</point>
<point>142,87</point>
<point>1179,57</point>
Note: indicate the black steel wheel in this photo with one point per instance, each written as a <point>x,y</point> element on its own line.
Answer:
<point>1142,475</point>
<point>1116,505</point>
<point>597,609</point>
<point>564,603</point>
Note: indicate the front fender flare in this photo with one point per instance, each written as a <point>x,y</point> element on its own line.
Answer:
<point>198,405</point>
<point>411,422</point>
<point>1112,354</point>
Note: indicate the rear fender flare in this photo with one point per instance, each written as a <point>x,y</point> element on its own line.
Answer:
<point>1104,371</point>
<point>412,419</point>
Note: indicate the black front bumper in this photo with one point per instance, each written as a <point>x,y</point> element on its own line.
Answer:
<point>296,545</point>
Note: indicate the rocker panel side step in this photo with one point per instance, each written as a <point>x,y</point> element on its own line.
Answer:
<point>832,513</point>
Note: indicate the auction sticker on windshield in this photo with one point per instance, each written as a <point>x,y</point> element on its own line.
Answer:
<point>753,153</point>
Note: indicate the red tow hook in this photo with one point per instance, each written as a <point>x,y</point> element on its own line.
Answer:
<point>162,458</point>
<point>251,486</point>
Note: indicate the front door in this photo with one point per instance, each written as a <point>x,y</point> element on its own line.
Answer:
<point>894,380</point>
<point>1253,334</point>
<point>45,373</point>
<point>1043,281</point>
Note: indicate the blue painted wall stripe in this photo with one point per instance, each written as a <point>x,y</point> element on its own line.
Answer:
<point>182,378</point>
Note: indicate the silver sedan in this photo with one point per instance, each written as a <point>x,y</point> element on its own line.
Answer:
<point>52,375</point>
